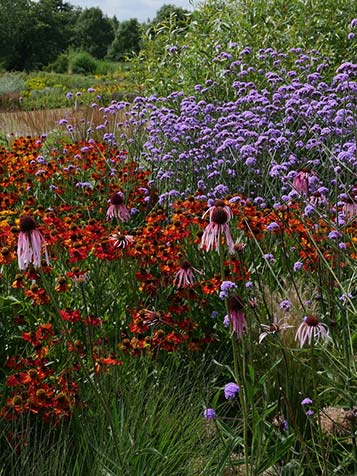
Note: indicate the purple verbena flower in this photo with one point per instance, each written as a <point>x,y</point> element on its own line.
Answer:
<point>298,265</point>
<point>285,305</point>
<point>209,414</point>
<point>231,390</point>
<point>306,401</point>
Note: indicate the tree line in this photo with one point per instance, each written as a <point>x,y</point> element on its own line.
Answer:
<point>35,33</point>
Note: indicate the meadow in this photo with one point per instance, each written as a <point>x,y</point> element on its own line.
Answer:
<point>178,277</point>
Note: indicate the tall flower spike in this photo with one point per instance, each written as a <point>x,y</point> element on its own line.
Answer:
<point>117,209</point>
<point>30,244</point>
<point>219,215</point>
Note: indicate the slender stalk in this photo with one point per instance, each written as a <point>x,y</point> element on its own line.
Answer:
<point>291,413</point>
<point>90,330</point>
<point>317,405</point>
<point>242,393</point>
<point>346,340</point>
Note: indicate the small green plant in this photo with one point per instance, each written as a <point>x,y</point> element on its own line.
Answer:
<point>11,83</point>
<point>4,142</point>
<point>156,413</point>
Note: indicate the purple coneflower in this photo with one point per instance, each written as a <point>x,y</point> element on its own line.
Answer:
<point>121,241</point>
<point>311,328</point>
<point>349,208</point>
<point>275,328</point>
<point>117,209</point>
<point>236,317</point>
<point>184,277</point>
<point>30,244</point>
<point>301,181</point>
<point>317,198</point>
<point>219,216</point>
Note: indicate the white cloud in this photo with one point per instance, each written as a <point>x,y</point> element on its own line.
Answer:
<point>126,9</point>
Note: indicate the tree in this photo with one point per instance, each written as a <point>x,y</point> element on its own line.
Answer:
<point>169,12</point>
<point>13,21</point>
<point>50,33</point>
<point>127,40</point>
<point>34,33</point>
<point>94,32</point>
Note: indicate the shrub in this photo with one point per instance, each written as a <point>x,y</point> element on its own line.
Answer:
<point>11,83</point>
<point>60,65</point>
<point>82,62</point>
<point>10,86</point>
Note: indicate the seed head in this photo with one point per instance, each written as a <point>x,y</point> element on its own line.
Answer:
<point>185,265</point>
<point>27,224</point>
<point>116,199</point>
<point>311,321</point>
<point>235,304</point>
<point>219,216</point>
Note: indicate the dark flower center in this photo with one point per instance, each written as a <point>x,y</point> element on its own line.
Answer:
<point>312,321</point>
<point>116,199</point>
<point>32,373</point>
<point>41,394</point>
<point>219,203</point>
<point>185,265</point>
<point>27,224</point>
<point>219,216</point>
<point>235,304</point>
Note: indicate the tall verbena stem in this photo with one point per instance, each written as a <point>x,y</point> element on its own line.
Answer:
<point>239,375</point>
<point>323,459</point>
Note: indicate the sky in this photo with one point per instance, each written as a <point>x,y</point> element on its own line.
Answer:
<point>127,9</point>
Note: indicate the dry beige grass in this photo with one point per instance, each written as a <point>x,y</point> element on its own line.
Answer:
<point>336,421</point>
<point>34,123</point>
<point>23,123</point>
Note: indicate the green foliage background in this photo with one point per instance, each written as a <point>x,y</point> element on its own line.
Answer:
<point>279,24</point>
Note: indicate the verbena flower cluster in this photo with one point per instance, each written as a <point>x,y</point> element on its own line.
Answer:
<point>285,132</point>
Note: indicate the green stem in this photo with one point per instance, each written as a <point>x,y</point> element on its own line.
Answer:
<point>317,405</point>
<point>244,404</point>
<point>292,415</point>
<point>90,329</point>
<point>346,339</point>
<point>242,394</point>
